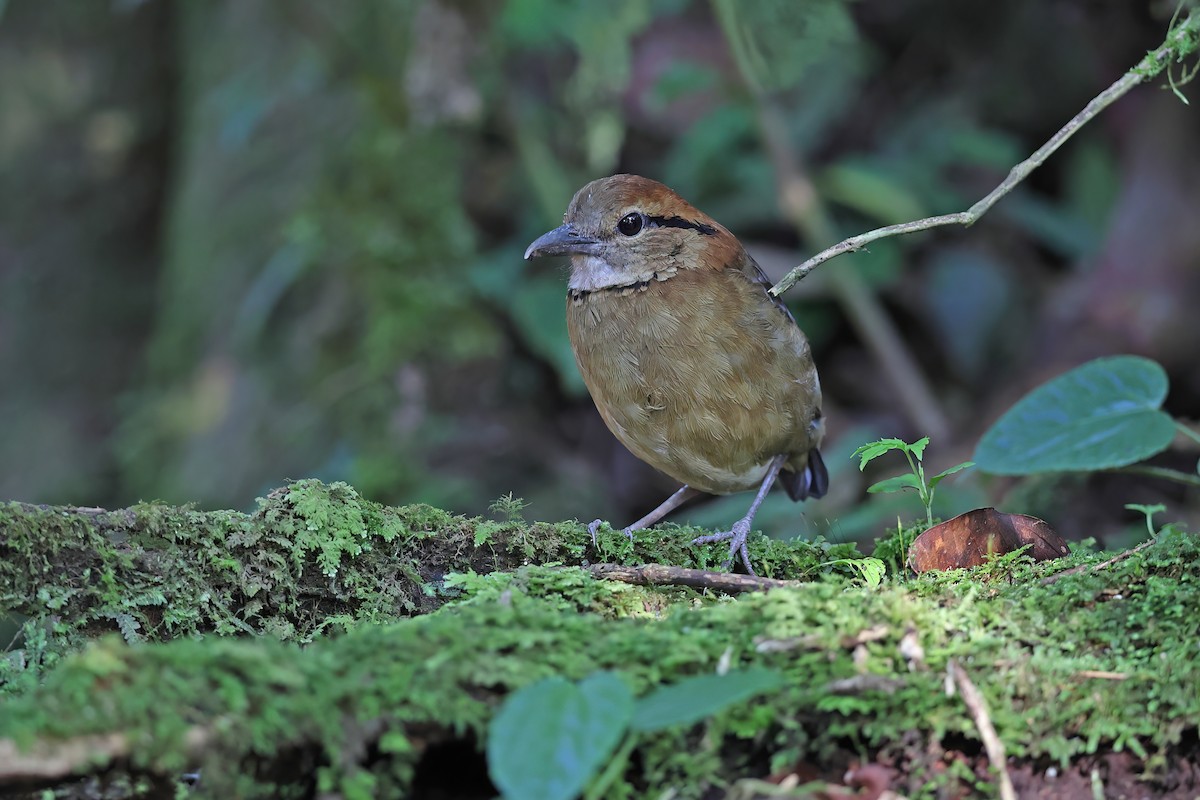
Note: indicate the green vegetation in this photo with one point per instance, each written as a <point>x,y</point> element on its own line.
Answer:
<point>550,739</point>
<point>409,630</point>
<point>381,698</point>
<point>314,558</point>
<point>286,241</point>
<point>1104,414</point>
<point>914,479</point>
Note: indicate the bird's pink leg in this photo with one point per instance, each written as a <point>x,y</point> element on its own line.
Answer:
<point>673,502</point>
<point>741,528</point>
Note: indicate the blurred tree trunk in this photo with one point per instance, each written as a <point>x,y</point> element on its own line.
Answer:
<point>257,120</point>
<point>87,91</point>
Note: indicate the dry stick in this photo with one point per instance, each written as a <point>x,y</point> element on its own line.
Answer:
<point>983,722</point>
<point>1103,675</point>
<point>1182,40</point>
<point>46,760</point>
<point>663,575</point>
<point>1090,567</point>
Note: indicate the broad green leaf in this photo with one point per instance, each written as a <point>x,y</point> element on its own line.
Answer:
<point>537,310</point>
<point>1092,179</point>
<point>1100,415</point>
<point>936,479</point>
<point>870,190</point>
<point>896,484</point>
<point>1054,224</point>
<point>693,699</point>
<point>551,737</point>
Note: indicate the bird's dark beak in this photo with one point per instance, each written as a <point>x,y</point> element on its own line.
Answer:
<point>562,241</point>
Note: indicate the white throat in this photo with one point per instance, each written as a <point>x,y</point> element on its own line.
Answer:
<point>589,273</point>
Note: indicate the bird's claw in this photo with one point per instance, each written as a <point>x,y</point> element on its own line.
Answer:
<point>594,527</point>
<point>737,544</point>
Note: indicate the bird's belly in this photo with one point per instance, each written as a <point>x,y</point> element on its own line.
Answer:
<point>690,392</point>
<point>696,439</point>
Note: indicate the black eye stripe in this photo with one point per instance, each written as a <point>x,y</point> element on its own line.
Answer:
<point>680,222</point>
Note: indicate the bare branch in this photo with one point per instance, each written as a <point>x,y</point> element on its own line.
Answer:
<point>987,731</point>
<point>1093,567</point>
<point>1182,40</point>
<point>664,575</point>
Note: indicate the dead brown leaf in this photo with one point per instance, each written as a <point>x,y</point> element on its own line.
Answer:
<point>969,539</point>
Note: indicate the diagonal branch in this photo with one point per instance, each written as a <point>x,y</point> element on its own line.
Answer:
<point>1182,40</point>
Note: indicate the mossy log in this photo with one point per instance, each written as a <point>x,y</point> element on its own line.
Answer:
<point>312,555</point>
<point>329,690</point>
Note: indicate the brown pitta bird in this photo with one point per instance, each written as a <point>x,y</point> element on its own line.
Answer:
<point>693,365</point>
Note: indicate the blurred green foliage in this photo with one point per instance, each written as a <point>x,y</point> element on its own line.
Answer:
<point>284,239</point>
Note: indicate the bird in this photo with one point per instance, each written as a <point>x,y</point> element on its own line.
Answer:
<point>694,366</point>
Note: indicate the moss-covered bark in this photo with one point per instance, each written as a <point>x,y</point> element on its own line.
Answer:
<point>311,556</point>
<point>1097,660</point>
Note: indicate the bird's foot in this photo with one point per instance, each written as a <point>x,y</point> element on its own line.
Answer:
<point>737,543</point>
<point>594,528</point>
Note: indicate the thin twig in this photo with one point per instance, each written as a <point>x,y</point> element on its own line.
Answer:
<point>664,575</point>
<point>987,731</point>
<point>1181,40</point>
<point>860,684</point>
<point>1049,579</point>
<point>1102,675</point>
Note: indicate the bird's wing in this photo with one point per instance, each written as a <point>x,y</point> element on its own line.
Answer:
<point>754,274</point>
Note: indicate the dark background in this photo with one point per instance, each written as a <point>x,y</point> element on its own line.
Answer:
<point>243,241</point>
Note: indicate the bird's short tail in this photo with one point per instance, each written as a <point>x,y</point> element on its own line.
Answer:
<point>812,481</point>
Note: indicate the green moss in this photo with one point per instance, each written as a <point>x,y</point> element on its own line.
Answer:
<point>262,706</point>
<point>1182,42</point>
<point>313,559</point>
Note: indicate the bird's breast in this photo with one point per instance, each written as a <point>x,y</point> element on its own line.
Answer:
<point>701,375</point>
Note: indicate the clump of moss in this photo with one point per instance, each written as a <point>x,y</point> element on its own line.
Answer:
<point>367,707</point>
<point>313,559</point>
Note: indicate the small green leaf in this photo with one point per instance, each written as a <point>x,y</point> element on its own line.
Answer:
<point>917,448</point>
<point>693,699</point>
<point>1149,511</point>
<point>483,533</point>
<point>551,737</point>
<point>873,450</point>
<point>896,484</point>
<point>1100,415</point>
<point>871,569</point>
<point>536,312</point>
<point>936,479</point>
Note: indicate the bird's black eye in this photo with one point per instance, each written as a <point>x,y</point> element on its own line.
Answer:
<point>630,224</point>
